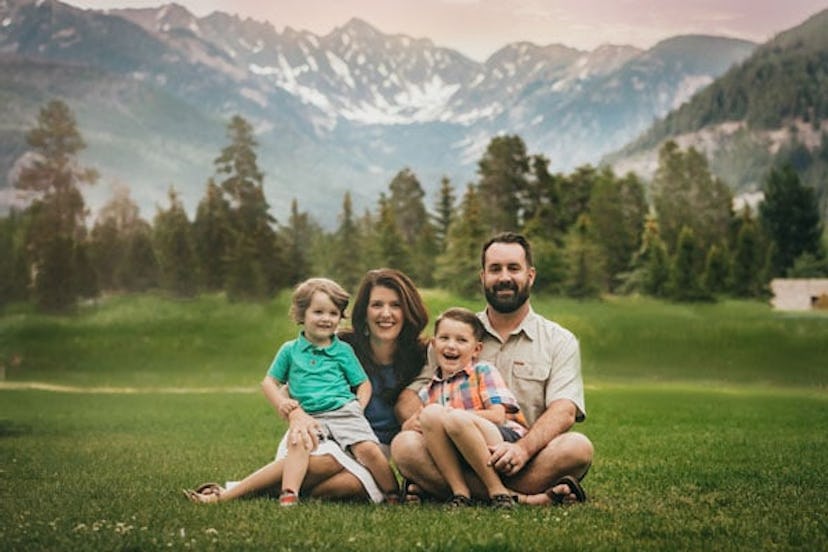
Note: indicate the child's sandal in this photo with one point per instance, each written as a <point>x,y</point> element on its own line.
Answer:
<point>503,501</point>
<point>288,498</point>
<point>459,501</point>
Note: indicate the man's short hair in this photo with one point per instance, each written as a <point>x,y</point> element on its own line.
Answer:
<point>508,237</point>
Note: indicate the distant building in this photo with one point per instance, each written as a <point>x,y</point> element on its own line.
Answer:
<point>799,294</point>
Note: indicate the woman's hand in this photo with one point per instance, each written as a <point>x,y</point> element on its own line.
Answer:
<point>303,427</point>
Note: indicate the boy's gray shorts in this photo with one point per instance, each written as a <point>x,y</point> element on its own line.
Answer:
<point>346,425</point>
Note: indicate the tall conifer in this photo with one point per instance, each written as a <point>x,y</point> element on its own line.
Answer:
<point>58,212</point>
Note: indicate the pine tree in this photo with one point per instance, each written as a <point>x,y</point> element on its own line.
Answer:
<point>347,249</point>
<point>412,221</point>
<point>57,213</point>
<point>584,260</point>
<point>684,283</point>
<point>14,277</point>
<point>575,191</point>
<point>717,270</point>
<point>213,235</point>
<point>504,175</point>
<point>542,203</point>
<point>686,194</point>
<point>86,279</point>
<point>117,220</point>
<point>139,270</point>
<point>458,268</point>
<point>391,248</point>
<point>406,203</point>
<point>255,255</point>
<point>175,250</point>
<point>650,264</point>
<point>299,235</point>
<point>790,218</point>
<point>444,213</point>
<point>424,254</point>
<point>657,273</point>
<point>747,261</point>
<point>617,209</point>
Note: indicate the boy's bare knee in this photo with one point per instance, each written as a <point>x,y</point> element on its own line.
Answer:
<point>456,421</point>
<point>431,416</point>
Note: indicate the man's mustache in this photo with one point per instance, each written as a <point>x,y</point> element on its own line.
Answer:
<point>505,285</point>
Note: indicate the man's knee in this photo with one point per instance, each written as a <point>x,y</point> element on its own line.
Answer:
<point>405,448</point>
<point>571,451</point>
<point>581,448</point>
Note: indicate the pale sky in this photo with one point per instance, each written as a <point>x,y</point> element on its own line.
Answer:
<point>478,28</point>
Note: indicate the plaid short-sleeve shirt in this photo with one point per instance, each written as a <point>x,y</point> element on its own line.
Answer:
<point>477,387</point>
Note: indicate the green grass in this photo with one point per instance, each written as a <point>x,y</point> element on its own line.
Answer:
<point>709,423</point>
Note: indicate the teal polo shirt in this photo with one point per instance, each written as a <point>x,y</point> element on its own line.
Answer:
<point>320,378</point>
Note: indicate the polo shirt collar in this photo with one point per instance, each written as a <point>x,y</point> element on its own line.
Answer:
<point>528,326</point>
<point>305,345</point>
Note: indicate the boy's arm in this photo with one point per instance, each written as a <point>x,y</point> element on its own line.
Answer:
<point>277,395</point>
<point>363,393</point>
<point>495,413</point>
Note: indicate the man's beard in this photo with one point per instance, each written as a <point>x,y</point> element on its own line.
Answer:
<point>506,305</point>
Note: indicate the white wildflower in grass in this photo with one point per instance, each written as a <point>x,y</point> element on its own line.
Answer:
<point>122,528</point>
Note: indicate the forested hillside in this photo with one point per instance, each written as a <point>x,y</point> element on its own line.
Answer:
<point>769,110</point>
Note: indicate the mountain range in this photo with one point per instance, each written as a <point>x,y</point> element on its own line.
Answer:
<point>153,91</point>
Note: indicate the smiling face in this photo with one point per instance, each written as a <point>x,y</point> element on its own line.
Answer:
<point>321,319</point>
<point>507,277</point>
<point>385,316</point>
<point>455,345</point>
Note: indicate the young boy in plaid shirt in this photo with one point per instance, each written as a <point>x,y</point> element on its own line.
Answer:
<point>468,409</point>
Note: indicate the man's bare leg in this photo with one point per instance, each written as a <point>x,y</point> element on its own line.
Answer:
<point>567,454</point>
<point>408,449</point>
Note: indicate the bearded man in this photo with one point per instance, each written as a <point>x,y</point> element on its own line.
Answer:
<point>540,362</point>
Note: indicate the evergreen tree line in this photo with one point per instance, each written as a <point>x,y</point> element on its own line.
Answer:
<point>593,231</point>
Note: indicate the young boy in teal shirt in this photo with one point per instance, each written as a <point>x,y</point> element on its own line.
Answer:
<point>320,372</point>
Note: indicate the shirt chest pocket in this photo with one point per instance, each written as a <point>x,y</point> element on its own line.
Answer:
<point>531,371</point>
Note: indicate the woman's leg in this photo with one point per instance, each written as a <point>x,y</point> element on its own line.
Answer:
<point>265,477</point>
<point>472,435</point>
<point>441,448</point>
<point>342,485</point>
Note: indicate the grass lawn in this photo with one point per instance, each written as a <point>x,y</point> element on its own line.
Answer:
<point>709,424</point>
